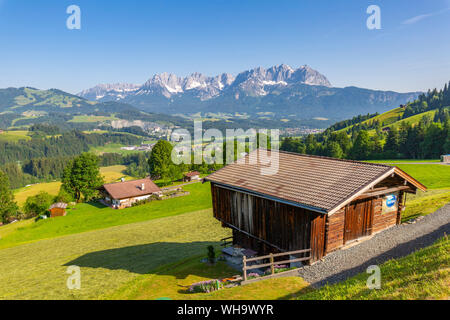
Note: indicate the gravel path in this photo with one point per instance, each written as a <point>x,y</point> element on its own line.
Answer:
<point>392,243</point>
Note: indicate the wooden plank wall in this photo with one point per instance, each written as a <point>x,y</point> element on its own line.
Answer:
<point>382,221</point>
<point>287,227</point>
<point>335,231</point>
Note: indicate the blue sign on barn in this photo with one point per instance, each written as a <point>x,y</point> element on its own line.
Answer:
<point>390,202</point>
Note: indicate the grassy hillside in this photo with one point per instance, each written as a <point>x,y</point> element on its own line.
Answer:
<point>92,216</point>
<point>14,136</point>
<point>421,275</point>
<point>171,281</point>
<point>424,274</point>
<point>386,118</point>
<point>108,258</point>
<point>391,118</point>
<point>111,174</point>
<point>434,176</point>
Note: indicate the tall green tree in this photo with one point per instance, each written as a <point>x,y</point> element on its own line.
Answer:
<point>362,146</point>
<point>161,160</point>
<point>391,147</point>
<point>344,141</point>
<point>8,207</point>
<point>82,177</point>
<point>334,150</point>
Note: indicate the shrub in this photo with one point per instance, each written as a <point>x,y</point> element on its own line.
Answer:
<point>211,255</point>
<point>38,205</point>
<point>206,286</point>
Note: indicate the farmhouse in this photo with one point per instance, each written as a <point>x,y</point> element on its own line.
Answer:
<point>123,194</point>
<point>312,202</point>
<point>58,209</point>
<point>191,176</point>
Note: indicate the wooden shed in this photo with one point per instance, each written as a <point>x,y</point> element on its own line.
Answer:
<point>58,209</point>
<point>312,202</point>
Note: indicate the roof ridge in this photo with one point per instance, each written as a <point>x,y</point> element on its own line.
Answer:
<point>335,159</point>
<point>107,184</point>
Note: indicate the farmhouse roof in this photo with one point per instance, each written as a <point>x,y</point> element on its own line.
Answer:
<point>192,174</point>
<point>60,205</point>
<point>316,183</point>
<point>131,189</point>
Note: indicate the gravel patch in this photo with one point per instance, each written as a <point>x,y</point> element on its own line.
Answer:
<point>395,242</point>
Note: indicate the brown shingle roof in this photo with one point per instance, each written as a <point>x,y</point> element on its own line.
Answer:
<point>192,174</point>
<point>318,183</point>
<point>60,205</point>
<point>130,189</point>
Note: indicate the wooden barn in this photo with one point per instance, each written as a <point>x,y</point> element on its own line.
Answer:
<point>312,202</point>
<point>123,194</point>
<point>58,209</point>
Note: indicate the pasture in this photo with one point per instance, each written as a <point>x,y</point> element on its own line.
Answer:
<point>421,275</point>
<point>92,216</point>
<point>108,258</point>
<point>112,148</point>
<point>111,174</point>
<point>14,136</point>
<point>154,250</point>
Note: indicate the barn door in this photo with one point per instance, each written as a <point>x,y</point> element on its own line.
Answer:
<point>318,237</point>
<point>358,220</point>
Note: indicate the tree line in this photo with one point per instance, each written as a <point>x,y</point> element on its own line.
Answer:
<point>67,144</point>
<point>428,139</point>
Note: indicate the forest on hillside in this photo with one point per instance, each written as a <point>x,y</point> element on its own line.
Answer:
<point>44,157</point>
<point>428,139</point>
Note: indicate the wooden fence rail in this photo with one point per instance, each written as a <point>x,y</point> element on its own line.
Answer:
<point>226,241</point>
<point>272,263</point>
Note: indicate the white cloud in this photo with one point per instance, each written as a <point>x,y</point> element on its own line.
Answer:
<point>424,16</point>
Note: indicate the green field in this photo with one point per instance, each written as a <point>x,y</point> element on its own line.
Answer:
<point>390,118</point>
<point>404,161</point>
<point>153,250</point>
<point>171,281</point>
<point>111,174</point>
<point>424,274</point>
<point>90,119</point>
<point>22,194</point>
<point>14,136</point>
<point>86,217</point>
<point>112,148</point>
<point>108,258</point>
<point>433,176</point>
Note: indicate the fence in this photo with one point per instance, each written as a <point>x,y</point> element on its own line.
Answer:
<point>226,241</point>
<point>272,264</point>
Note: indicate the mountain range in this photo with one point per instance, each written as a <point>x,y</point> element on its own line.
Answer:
<point>277,92</point>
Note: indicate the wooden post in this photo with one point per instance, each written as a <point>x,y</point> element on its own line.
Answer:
<point>244,267</point>
<point>272,267</point>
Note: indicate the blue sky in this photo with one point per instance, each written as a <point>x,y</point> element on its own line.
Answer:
<point>129,41</point>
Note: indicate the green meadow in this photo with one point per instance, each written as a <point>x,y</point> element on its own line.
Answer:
<point>14,136</point>
<point>92,216</point>
<point>154,250</point>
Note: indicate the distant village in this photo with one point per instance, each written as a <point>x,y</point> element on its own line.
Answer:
<point>142,147</point>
